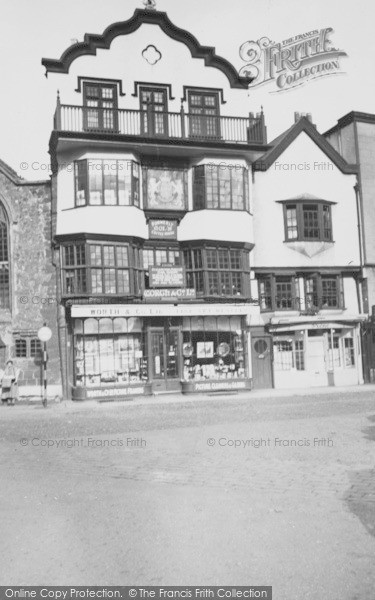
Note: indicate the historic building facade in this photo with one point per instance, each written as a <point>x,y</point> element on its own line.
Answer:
<point>152,213</point>
<point>27,281</point>
<point>307,261</point>
<point>354,138</point>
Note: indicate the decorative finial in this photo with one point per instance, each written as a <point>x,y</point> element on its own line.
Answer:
<point>150,4</point>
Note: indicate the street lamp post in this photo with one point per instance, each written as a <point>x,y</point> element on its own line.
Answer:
<point>44,334</point>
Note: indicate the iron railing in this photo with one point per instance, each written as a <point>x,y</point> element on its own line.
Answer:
<point>168,125</point>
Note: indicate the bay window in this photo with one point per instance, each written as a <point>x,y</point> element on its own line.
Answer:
<point>101,268</point>
<point>221,187</point>
<point>308,221</point>
<point>215,271</point>
<point>106,182</point>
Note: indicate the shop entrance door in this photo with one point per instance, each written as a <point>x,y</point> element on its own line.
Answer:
<point>165,358</point>
<point>261,353</point>
<point>316,365</point>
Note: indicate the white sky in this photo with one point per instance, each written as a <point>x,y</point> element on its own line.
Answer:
<point>32,29</point>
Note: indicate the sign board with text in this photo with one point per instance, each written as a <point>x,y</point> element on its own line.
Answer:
<point>166,277</point>
<point>169,294</point>
<point>162,229</point>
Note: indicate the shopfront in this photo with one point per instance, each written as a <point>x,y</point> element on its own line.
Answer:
<point>316,354</point>
<point>126,350</point>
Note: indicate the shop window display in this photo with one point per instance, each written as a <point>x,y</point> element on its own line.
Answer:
<point>213,348</point>
<point>109,351</point>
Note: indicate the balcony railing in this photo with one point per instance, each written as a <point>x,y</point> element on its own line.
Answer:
<point>306,306</point>
<point>168,125</point>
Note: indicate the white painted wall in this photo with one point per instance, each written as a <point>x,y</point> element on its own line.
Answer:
<point>124,61</point>
<point>283,181</point>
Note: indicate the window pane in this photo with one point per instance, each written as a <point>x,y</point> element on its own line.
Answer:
<point>122,256</point>
<point>283,355</point>
<point>224,188</point>
<point>327,225</point>
<point>95,255</point>
<point>236,284</point>
<point>110,281</point>
<point>329,292</point>
<point>211,256</point>
<point>95,182</point>
<point>109,256</point>
<point>334,359</point>
<point>21,348</point>
<point>212,192</point>
<point>96,281</point>
<point>35,347</point>
<point>310,221</point>
<point>238,200</point>
<point>291,222</point>
<point>213,283</point>
<point>80,180</point>
<point>235,259</point>
<point>110,182</point>
<point>80,255</point>
<point>283,292</point>
<point>124,182</point>
<point>123,281</point>
<point>223,259</point>
<point>69,255</point>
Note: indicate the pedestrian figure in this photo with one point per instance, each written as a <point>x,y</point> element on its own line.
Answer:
<point>9,385</point>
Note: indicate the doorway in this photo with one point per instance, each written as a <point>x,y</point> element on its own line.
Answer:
<point>165,363</point>
<point>261,353</point>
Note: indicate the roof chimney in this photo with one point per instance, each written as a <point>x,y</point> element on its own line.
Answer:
<point>298,116</point>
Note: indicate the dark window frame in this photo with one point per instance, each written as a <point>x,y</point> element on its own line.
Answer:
<point>271,301</point>
<point>30,344</point>
<point>134,269</point>
<point>201,181</point>
<point>100,109</point>
<point>324,234</point>
<point>200,274</point>
<point>84,164</point>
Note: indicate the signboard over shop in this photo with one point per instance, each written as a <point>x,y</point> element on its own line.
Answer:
<point>166,277</point>
<point>169,294</point>
<point>162,229</point>
<point>162,310</point>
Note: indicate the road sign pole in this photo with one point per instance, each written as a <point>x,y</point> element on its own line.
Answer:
<point>45,374</point>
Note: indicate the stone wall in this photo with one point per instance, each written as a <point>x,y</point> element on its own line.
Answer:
<point>33,299</point>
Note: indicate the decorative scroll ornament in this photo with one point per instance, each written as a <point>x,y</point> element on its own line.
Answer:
<point>150,4</point>
<point>151,54</point>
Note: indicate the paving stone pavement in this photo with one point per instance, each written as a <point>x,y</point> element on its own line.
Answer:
<point>189,507</point>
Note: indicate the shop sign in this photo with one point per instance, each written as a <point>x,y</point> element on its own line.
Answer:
<point>169,294</point>
<point>161,229</point>
<point>112,392</point>
<point>167,276</point>
<point>159,310</point>
<point>213,386</point>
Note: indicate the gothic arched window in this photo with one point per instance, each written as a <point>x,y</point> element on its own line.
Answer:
<point>4,259</point>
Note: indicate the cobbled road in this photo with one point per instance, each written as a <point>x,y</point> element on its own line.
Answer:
<point>225,491</point>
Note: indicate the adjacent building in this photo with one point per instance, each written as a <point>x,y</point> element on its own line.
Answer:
<point>307,261</point>
<point>354,138</point>
<point>27,281</point>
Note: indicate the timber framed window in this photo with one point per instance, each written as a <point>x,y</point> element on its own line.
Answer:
<point>106,182</point>
<point>308,221</point>
<point>221,187</point>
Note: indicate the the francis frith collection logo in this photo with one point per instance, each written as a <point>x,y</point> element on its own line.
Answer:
<point>292,62</point>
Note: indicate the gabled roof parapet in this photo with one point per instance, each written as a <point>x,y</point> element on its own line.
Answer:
<point>94,41</point>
